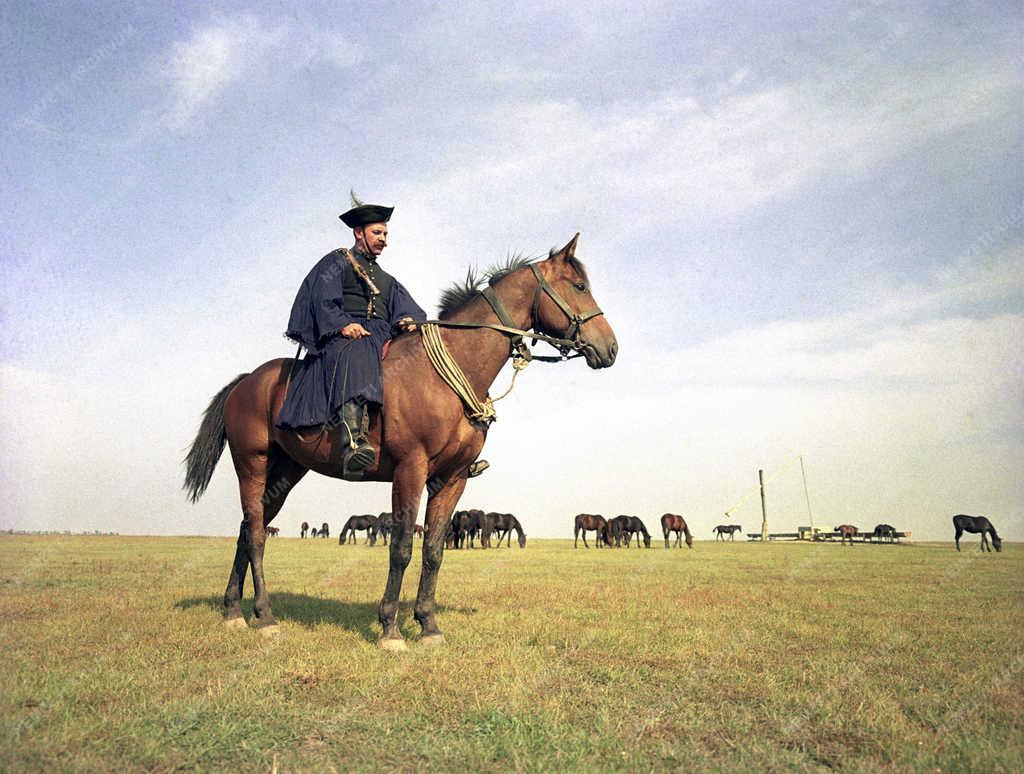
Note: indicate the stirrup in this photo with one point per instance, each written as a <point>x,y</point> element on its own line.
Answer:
<point>355,461</point>
<point>476,468</point>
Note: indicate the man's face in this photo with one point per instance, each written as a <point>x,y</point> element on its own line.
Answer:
<point>374,237</point>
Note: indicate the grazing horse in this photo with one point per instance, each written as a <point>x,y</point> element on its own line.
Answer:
<point>885,533</point>
<point>623,528</point>
<point>323,532</point>
<point>588,521</point>
<point>846,532</point>
<point>727,529</point>
<point>273,531</point>
<point>504,524</point>
<point>672,522</point>
<point>367,522</point>
<point>304,529</point>
<point>974,525</point>
<point>422,431</point>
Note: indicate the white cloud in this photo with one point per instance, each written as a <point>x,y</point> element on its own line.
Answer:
<point>201,69</point>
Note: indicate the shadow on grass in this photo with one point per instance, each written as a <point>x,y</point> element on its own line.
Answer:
<point>357,617</point>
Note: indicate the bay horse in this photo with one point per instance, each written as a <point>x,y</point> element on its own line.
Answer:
<point>588,521</point>
<point>672,522</point>
<point>273,531</point>
<point>727,529</point>
<point>368,522</point>
<point>975,524</point>
<point>846,533</point>
<point>422,432</point>
<point>505,524</point>
<point>304,529</point>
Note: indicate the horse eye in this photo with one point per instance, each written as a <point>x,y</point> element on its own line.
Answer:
<point>580,286</point>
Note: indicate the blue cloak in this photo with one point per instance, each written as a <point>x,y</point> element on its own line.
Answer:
<point>336,369</point>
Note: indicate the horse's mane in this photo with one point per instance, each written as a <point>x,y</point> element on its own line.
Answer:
<point>458,294</point>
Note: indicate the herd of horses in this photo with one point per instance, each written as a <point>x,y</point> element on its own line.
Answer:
<point>462,529</point>
<point>621,530</point>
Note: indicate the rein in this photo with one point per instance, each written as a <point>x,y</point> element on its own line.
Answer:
<point>521,355</point>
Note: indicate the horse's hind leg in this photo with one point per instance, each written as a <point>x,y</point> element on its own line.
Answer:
<point>263,486</point>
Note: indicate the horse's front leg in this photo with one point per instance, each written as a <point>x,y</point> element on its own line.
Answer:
<point>440,506</point>
<point>409,481</point>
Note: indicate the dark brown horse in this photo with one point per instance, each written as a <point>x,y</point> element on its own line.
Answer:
<point>422,431</point>
<point>505,524</point>
<point>846,532</point>
<point>976,524</point>
<point>304,529</point>
<point>884,533</point>
<point>417,530</point>
<point>273,531</point>
<point>324,532</point>
<point>727,529</point>
<point>588,521</point>
<point>672,522</point>
<point>368,522</point>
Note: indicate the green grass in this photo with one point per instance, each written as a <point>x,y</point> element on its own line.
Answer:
<point>727,657</point>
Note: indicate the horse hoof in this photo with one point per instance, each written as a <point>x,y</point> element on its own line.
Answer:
<point>269,632</point>
<point>235,623</point>
<point>392,644</point>
<point>432,640</point>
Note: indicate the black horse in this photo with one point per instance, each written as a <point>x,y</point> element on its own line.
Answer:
<point>504,524</point>
<point>974,525</point>
<point>304,529</point>
<point>368,522</point>
<point>324,531</point>
<point>622,529</point>
<point>884,533</point>
<point>727,529</point>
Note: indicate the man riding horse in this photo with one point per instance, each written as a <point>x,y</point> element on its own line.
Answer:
<point>345,312</point>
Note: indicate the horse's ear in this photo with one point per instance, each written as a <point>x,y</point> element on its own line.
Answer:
<point>569,251</point>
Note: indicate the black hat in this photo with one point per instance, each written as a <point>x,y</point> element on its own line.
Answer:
<point>365,214</point>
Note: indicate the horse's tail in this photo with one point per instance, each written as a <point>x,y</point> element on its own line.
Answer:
<point>208,444</point>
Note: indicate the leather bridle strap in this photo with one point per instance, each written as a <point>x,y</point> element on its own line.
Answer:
<point>576,320</point>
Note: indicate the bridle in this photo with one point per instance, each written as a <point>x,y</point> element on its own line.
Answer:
<point>571,341</point>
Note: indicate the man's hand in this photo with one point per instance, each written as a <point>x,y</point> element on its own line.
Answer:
<point>354,331</point>
<point>406,325</point>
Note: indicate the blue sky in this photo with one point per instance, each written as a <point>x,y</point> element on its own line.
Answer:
<point>803,223</point>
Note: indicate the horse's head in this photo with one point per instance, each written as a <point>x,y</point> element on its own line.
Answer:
<point>647,541</point>
<point>997,542</point>
<point>567,309</point>
<point>522,540</point>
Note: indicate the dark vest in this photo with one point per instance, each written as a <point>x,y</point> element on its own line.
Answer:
<point>356,296</point>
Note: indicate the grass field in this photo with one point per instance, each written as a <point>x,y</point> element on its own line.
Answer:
<point>726,657</point>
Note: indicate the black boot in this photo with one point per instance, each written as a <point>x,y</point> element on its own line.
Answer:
<point>360,454</point>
